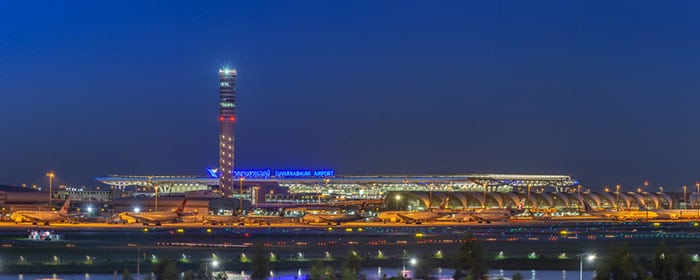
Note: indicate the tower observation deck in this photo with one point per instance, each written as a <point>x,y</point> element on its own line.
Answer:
<point>227,117</point>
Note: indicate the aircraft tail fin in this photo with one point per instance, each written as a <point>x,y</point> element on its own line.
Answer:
<point>64,208</point>
<point>445,204</point>
<point>509,206</point>
<point>587,207</point>
<point>181,208</point>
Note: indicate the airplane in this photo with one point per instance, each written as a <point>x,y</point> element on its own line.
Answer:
<point>416,217</point>
<point>488,215</point>
<point>331,216</point>
<point>622,215</point>
<point>263,217</point>
<point>278,215</point>
<point>155,218</point>
<point>221,219</point>
<point>45,217</point>
<point>676,214</point>
<point>484,215</point>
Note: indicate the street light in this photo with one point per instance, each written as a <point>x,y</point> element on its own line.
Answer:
<point>685,206</point>
<point>240,195</point>
<point>403,267</point>
<point>398,197</point>
<point>485,189</point>
<point>617,200</point>
<point>697,197</point>
<point>150,184</point>
<point>589,258</point>
<point>214,264</point>
<point>412,261</point>
<point>50,174</point>
<point>413,264</point>
<point>320,193</point>
<point>430,197</point>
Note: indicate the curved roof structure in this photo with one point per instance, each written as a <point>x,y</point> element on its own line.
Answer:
<point>418,200</point>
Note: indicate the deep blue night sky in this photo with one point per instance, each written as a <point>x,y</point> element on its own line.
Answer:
<point>606,91</point>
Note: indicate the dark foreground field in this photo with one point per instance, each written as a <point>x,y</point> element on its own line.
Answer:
<point>516,246</point>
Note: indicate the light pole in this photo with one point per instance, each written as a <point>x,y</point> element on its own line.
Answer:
<point>403,267</point>
<point>50,174</point>
<point>240,196</point>
<point>413,264</point>
<point>697,185</point>
<point>485,186</point>
<point>138,262</point>
<point>398,198</point>
<point>156,206</point>
<point>325,181</point>
<point>412,261</point>
<point>214,265</point>
<point>685,206</point>
<point>617,200</point>
<point>430,197</point>
<point>155,188</point>
<point>589,258</point>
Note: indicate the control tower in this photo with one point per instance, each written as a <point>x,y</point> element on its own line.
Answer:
<point>227,118</point>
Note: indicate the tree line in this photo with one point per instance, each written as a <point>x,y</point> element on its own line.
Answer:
<point>664,264</point>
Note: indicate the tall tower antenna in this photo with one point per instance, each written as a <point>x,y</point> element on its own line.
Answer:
<point>227,117</point>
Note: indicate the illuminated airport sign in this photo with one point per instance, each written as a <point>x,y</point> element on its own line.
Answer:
<point>263,174</point>
<point>324,173</point>
<point>293,173</point>
<point>267,173</point>
<point>303,173</point>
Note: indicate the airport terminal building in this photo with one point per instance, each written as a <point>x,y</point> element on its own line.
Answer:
<point>410,192</point>
<point>281,183</point>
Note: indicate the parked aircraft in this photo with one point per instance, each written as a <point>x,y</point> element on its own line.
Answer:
<point>488,215</point>
<point>416,217</point>
<point>622,215</point>
<point>155,218</point>
<point>331,216</point>
<point>677,214</point>
<point>221,219</point>
<point>485,215</point>
<point>265,217</point>
<point>45,217</point>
